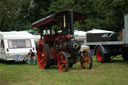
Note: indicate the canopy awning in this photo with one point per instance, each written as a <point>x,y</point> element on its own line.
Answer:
<point>56,17</point>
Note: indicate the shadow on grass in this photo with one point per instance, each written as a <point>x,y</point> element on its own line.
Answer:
<point>76,67</point>
<point>54,67</point>
<point>119,61</point>
<point>11,62</point>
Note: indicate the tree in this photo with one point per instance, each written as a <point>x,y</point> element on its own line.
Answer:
<point>9,13</point>
<point>101,14</point>
<point>39,10</point>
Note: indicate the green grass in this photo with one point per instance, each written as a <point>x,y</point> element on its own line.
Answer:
<point>113,73</point>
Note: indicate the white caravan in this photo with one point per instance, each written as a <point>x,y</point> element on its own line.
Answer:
<point>15,45</point>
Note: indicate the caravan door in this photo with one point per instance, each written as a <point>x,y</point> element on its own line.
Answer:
<point>2,50</point>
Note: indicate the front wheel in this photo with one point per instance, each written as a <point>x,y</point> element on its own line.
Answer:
<point>86,62</point>
<point>63,62</point>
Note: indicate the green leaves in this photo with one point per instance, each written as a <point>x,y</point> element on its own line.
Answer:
<point>10,12</point>
<point>102,14</point>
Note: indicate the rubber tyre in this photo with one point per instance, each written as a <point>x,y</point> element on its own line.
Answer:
<point>62,61</point>
<point>125,56</point>
<point>102,57</point>
<point>43,56</point>
<point>70,65</point>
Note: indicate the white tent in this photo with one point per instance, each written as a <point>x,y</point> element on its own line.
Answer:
<point>79,33</point>
<point>83,33</point>
<point>99,31</point>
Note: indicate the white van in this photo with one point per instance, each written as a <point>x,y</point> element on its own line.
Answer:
<point>15,45</point>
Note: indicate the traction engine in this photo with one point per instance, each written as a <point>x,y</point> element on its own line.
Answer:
<point>59,47</point>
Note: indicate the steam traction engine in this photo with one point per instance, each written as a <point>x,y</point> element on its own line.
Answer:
<point>57,45</point>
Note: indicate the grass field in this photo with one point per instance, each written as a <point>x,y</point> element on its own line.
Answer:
<point>113,73</point>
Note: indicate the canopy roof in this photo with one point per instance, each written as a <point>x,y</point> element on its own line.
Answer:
<point>99,31</point>
<point>15,35</point>
<point>56,17</point>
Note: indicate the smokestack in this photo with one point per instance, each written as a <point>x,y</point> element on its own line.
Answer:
<point>71,21</point>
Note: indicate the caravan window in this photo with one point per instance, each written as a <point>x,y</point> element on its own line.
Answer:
<point>19,43</point>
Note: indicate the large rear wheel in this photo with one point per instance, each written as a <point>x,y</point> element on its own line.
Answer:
<point>63,61</point>
<point>43,55</point>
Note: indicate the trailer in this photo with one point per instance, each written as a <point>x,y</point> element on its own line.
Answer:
<point>14,46</point>
<point>107,45</point>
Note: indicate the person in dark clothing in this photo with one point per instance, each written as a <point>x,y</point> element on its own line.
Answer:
<point>31,59</point>
<point>31,54</point>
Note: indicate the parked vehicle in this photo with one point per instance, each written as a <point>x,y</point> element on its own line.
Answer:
<point>15,45</point>
<point>108,45</point>
<point>60,48</point>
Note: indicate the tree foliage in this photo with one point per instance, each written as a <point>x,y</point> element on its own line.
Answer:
<point>101,14</point>
<point>12,12</point>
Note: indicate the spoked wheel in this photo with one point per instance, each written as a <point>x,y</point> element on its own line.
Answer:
<point>43,56</point>
<point>62,62</point>
<point>86,62</point>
